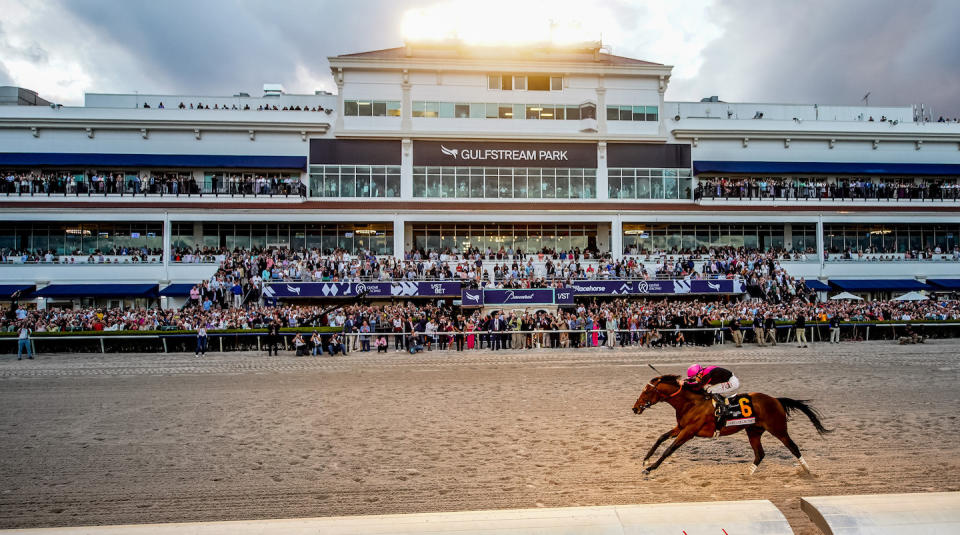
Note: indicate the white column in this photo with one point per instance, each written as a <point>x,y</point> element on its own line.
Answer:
<point>338,123</point>
<point>167,251</point>
<point>603,189</point>
<point>398,236</point>
<point>788,236</point>
<point>601,107</point>
<point>616,237</point>
<point>406,168</point>
<point>406,103</point>
<point>820,243</point>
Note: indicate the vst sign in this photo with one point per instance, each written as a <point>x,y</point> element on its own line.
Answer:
<point>577,155</point>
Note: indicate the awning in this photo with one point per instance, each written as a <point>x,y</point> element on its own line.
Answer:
<point>98,290</point>
<point>85,159</point>
<point>177,290</point>
<point>826,168</point>
<point>818,286</point>
<point>7,290</point>
<point>872,285</point>
<point>944,284</point>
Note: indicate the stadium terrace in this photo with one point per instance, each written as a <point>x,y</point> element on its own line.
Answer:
<point>525,169</point>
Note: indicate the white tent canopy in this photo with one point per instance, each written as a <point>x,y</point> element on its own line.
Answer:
<point>911,296</point>
<point>846,295</point>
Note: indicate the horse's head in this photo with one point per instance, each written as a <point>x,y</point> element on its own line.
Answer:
<point>657,390</point>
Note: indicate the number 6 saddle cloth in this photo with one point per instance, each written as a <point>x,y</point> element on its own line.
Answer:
<point>739,411</point>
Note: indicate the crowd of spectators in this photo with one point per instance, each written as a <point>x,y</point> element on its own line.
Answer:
<point>647,323</point>
<point>823,188</point>
<point>235,107</point>
<point>69,183</point>
<point>116,255</point>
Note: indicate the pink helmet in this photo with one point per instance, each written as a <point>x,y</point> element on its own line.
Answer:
<point>694,370</point>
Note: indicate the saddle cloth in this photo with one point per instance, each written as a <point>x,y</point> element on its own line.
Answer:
<point>739,411</point>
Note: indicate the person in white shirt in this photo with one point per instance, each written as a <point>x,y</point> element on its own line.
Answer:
<point>201,342</point>
<point>23,342</point>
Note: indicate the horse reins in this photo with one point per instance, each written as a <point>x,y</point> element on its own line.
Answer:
<point>679,389</point>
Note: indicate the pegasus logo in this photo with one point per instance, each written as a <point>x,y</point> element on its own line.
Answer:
<point>714,287</point>
<point>449,152</point>
<point>293,289</point>
<point>473,297</point>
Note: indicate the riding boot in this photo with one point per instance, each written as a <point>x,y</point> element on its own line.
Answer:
<point>720,413</point>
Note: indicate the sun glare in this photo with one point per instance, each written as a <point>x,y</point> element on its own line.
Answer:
<point>500,23</point>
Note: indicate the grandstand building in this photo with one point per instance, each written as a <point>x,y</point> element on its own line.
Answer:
<point>446,147</point>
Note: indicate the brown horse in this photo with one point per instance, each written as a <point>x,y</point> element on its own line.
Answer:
<point>695,418</point>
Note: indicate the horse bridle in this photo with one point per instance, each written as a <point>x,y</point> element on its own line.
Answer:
<point>661,395</point>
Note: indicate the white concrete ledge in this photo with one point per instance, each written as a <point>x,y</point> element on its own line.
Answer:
<point>755,517</point>
<point>935,513</point>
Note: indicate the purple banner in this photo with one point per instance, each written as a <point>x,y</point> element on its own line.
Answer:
<point>563,296</point>
<point>664,287</point>
<point>518,297</point>
<point>315,290</point>
<point>471,298</point>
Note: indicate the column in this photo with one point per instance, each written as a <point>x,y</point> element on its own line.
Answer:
<point>406,103</point>
<point>820,243</point>
<point>616,237</point>
<point>398,237</point>
<point>603,188</point>
<point>167,251</point>
<point>406,168</point>
<point>601,107</point>
<point>788,236</point>
<point>338,123</point>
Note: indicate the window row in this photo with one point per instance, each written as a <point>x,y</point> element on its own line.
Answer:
<point>632,113</point>
<point>628,183</point>
<point>371,108</point>
<point>641,238</point>
<point>354,181</point>
<point>504,183</point>
<point>493,110</point>
<point>838,238</point>
<point>376,237</point>
<point>524,82</point>
<point>519,237</point>
<point>84,238</point>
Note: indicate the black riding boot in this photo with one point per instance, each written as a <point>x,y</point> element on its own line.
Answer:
<point>720,413</point>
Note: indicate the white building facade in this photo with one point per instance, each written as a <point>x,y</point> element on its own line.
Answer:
<point>445,147</point>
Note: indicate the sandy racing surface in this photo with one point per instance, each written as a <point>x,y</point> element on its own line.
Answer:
<point>109,439</point>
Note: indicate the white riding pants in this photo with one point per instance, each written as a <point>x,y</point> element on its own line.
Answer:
<point>727,389</point>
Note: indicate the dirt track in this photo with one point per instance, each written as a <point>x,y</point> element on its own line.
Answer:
<point>108,439</point>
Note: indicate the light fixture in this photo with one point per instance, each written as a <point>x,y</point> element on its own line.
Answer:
<point>509,114</point>
<point>546,115</point>
<point>536,109</point>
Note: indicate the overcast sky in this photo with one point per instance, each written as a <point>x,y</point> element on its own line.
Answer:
<point>823,51</point>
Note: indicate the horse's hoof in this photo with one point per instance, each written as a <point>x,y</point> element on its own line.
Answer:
<point>753,469</point>
<point>645,473</point>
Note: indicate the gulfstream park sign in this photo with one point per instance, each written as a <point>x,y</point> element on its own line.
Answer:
<point>506,154</point>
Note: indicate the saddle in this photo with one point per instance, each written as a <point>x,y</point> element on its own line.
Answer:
<point>732,412</point>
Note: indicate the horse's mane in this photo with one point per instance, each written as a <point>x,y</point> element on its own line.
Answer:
<point>673,379</point>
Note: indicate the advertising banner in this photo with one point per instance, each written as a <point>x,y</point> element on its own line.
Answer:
<point>518,297</point>
<point>664,287</point>
<point>504,154</point>
<point>315,290</point>
<point>471,298</point>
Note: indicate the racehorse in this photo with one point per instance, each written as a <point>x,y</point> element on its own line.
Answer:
<point>695,418</point>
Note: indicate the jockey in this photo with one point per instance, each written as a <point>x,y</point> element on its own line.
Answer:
<point>714,380</point>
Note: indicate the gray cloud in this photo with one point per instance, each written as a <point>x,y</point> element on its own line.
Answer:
<point>834,52</point>
<point>812,51</point>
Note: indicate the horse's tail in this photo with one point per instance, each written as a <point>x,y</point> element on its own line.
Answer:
<point>790,405</point>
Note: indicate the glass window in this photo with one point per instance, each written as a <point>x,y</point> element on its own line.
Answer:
<point>651,113</point>
<point>556,83</point>
<point>548,183</point>
<point>506,82</point>
<point>418,108</point>
<point>433,182</point>
<point>462,111</point>
<point>476,183</point>
<point>347,182</point>
<point>419,182</point>
<point>638,113</point>
<point>573,113</point>
<point>492,184</point>
<point>448,183</point>
<point>350,108</point>
<point>538,82</point>
<point>493,81</point>
<point>563,183</point>
<point>478,111</point>
<point>533,111</point>
<point>393,181</point>
<point>520,183</point>
<point>626,113</point>
<point>519,111</point>
<point>493,111</point>
<point>365,109</point>
<point>393,108</point>
<point>379,109</point>
<point>560,112</point>
<point>432,109</point>
<point>520,83</point>
<point>506,183</point>
<point>463,183</point>
<point>446,110</point>
<point>505,111</point>
<point>613,113</point>
<point>588,110</point>
<point>547,112</point>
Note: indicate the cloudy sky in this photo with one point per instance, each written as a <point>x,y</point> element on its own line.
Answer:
<point>823,51</point>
